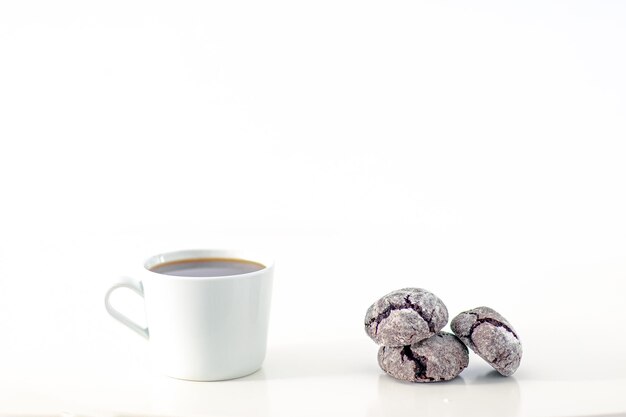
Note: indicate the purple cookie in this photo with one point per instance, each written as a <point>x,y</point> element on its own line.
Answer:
<point>439,358</point>
<point>405,316</point>
<point>491,336</point>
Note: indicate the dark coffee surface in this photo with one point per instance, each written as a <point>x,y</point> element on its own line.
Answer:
<point>207,267</point>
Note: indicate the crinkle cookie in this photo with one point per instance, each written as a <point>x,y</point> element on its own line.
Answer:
<point>439,358</point>
<point>405,316</point>
<point>491,336</point>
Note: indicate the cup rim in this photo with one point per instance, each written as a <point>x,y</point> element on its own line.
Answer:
<point>178,255</point>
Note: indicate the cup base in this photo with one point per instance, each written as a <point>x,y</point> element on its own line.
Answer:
<point>216,378</point>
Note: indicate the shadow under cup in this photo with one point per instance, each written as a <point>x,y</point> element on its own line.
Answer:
<point>207,312</point>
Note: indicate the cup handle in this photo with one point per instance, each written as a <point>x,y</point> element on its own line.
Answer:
<point>133,284</point>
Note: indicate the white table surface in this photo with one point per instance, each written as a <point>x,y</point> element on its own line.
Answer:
<point>62,352</point>
<point>336,378</point>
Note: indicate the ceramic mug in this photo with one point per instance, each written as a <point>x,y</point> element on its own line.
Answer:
<point>202,328</point>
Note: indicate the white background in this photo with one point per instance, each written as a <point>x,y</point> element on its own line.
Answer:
<point>473,149</point>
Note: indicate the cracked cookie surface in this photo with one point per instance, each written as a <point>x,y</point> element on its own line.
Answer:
<point>438,358</point>
<point>405,316</point>
<point>491,336</point>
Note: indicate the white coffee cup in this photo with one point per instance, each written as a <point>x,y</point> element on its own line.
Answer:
<point>202,328</point>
